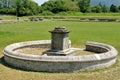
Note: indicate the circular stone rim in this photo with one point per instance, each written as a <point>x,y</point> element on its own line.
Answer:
<point>8,51</point>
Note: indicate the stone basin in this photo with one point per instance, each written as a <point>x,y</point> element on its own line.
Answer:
<point>105,56</point>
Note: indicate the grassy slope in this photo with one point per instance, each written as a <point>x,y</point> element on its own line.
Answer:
<point>81,32</point>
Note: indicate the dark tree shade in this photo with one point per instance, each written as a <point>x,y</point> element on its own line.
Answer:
<point>114,8</point>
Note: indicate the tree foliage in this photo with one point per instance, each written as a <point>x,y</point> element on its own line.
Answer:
<point>105,9</point>
<point>19,7</point>
<point>26,7</point>
<point>71,5</point>
<point>54,6</point>
<point>7,3</point>
<point>29,7</point>
<point>84,5</point>
<point>114,8</point>
<point>97,9</point>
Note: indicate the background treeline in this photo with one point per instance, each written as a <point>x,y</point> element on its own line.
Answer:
<point>19,7</point>
<point>29,7</point>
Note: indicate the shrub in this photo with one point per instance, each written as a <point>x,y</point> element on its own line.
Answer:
<point>47,13</point>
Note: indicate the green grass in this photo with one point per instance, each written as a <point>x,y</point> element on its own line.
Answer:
<point>70,13</point>
<point>8,17</point>
<point>73,13</point>
<point>104,32</point>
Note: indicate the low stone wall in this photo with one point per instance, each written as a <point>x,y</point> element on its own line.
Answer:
<point>97,48</point>
<point>99,19</point>
<point>36,19</point>
<point>60,63</point>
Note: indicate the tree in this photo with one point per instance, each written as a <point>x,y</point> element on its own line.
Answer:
<point>84,5</point>
<point>59,6</point>
<point>71,5</point>
<point>26,7</point>
<point>96,9</point>
<point>119,8</point>
<point>54,6</point>
<point>114,8</point>
<point>7,3</point>
<point>19,7</point>
<point>48,6</point>
<point>7,7</point>
<point>105,9</point>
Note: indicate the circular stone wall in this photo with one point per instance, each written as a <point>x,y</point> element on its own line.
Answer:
<point>105,56</point>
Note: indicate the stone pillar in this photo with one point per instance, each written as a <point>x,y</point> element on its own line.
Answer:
<point>60,43</point>
<point>60,40</point>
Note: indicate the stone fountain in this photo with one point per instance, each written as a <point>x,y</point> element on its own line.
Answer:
<point>60,57</point>
<point>60,44</point>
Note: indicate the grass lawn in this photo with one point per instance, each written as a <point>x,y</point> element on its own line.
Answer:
<point>104,32</point>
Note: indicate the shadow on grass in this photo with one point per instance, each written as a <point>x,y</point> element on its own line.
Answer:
<point>2,61</point>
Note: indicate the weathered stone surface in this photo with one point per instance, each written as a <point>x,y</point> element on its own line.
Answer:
<point>96,48</point>
<point>59,63</point>
<point>60,39</point>
<point>36,19</point>
<point>65,66</point>
<point>60,45</point>
<point>60,30</point>
<point>68,52</point>
<point>1,19</point>
<point>99,19</point>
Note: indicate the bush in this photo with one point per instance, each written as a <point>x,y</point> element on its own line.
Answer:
<point>46,13</point>
<point>69,13</point>
<point>11,11</point>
